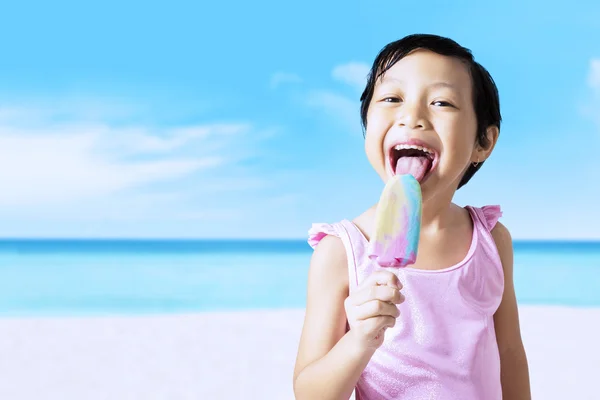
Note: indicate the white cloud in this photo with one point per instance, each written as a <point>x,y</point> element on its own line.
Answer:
<point>40,112</point>
<point>353,74</point>
<point>135,140</point>
<point>590,107</point>
<point>336,106</point>
<point>279,78</point>
<point>74,164</point>
<point>77,171</point>
<point>339,107</point>
<point>594,74</point>
<point>51,165</point>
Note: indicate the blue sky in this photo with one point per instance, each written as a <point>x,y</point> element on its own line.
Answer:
<point>183,119</point>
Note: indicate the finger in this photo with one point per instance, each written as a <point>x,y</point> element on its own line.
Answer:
<point>376,308</point>
<point>383,293</point>
<point>383,277</point>
<point>374,325</point>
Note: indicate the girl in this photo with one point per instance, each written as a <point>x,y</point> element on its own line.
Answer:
<point>446,327</point>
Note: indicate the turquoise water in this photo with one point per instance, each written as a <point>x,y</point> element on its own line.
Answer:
<point>70,277</point>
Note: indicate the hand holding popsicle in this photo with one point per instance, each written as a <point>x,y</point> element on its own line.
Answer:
<point>371,308</point>
<point>395,241</point>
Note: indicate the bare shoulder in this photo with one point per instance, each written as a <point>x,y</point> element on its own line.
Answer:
<point>327,288</point>
<point>329,262</point>
<point>506,320</point>
<point>504,244</point>
<point>501,234</point>
<point>329,259</point>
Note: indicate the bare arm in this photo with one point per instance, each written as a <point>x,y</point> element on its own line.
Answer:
<point>330,361</point>
<point>514,366</point>
<point>328,364</point>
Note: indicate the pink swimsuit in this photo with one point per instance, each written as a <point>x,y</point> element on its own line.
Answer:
<point>443,346</point>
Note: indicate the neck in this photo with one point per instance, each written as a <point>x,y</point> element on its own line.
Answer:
<point>437,212</point>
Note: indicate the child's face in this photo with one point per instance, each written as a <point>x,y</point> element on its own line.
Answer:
<point>426,97</point>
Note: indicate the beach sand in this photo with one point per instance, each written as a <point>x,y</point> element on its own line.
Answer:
<point>237,355</point>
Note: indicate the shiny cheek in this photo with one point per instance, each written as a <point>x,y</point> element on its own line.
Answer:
<point>373,149</point>
<point>458,138</point>
<point>377,127</point>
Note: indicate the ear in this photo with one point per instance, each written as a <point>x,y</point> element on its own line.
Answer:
<point>480,153</point>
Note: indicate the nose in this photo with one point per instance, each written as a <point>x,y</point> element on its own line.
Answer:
<point>412,116</point>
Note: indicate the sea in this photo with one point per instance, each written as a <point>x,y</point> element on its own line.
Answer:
<point>106,277</point>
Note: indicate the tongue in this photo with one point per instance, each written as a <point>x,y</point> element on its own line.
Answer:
<point>415,166</point>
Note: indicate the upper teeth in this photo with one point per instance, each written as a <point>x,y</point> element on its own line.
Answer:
<point>412,146</point>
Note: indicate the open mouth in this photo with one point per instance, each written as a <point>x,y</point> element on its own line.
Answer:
<point>413,159</point>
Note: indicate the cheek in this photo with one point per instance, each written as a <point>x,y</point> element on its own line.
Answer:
<point>459,138</point>
<point>373,147</point>
<point>375,133</point>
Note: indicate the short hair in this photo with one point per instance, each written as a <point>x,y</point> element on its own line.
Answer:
<point>485,96</point>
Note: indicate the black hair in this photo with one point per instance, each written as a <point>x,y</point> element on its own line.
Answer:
<point>486,101</point>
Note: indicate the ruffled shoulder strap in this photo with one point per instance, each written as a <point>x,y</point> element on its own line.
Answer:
<point>319,230</point>
<point>340,229</point>
<point>486,216</point>
<point>486,252</point>
<point>491,215</point>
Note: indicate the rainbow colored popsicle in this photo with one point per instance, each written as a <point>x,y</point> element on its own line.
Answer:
<point>397,223</point>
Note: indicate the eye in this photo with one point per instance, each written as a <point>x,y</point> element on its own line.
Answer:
<point>442,103</point>
<point>391,100</point>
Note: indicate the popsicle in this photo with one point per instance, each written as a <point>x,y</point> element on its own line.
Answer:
<point>395,240</point>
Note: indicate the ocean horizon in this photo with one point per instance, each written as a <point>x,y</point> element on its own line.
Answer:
<point>235,244</point>
<point>92,276</point>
